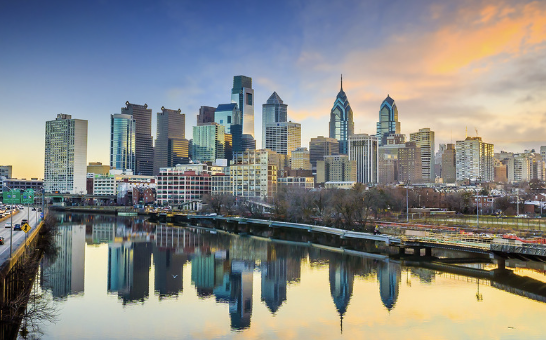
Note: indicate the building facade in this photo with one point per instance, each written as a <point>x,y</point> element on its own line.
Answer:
<point>341,121</point>
<point>144,148</point>
<point>409,164</point>
<point>273,111</point>
<point>337,168</point>
<point>474,160</point>
<point>208,142</point>
<point>424,139</point>
<point>227,115</point>
<point>363,150</point>
<point>388,120</point>
<point>322,146</point>
<point>183,184</point>
<point>449,168</point>
<point>205,115</point>
<point>300,159</point>
<point>5,171</point>
<point>122,142</point>
<point>283,137</point>
<point>254,174</point>
<point>65,155</point>
<point>171,147</point>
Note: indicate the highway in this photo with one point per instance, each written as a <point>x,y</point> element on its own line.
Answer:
<point>18,236</point>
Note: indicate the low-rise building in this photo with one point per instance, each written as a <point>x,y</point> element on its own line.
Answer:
<point>297,182</point>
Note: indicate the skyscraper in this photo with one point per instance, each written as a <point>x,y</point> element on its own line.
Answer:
<point>341,120</point>
<point>170,144</point>
<point>388,120</point>
<point>283,137</point>
<point>474,160</point>
<point>448,164</point>
<point>208,142</point>
<point>65,155</point>
<point>243,94</point>
<point>122,141</point>
<point>227,115</point>
<point>424,139</point>
<point>273,111</point>
<point>144,148</point>
<point>363,150</point>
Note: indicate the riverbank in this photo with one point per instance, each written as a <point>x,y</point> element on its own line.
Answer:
<point>111,210</point>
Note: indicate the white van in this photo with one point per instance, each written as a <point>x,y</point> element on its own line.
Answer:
<point>8,225</point>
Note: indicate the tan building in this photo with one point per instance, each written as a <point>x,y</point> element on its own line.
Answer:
<point>300,159</point>
<point>424,140</point>
<point>409,163</point>
<point>254,174</point>
<point>474,160</point>
<point>336,169</point>
<point>98,169</point>
<point>387,162</point>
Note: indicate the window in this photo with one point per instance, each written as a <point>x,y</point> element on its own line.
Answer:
<point>249,98</point>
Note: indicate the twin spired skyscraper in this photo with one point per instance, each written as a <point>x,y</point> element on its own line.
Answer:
<point>341,121</point>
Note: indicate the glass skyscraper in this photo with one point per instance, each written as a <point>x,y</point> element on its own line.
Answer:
<point>243,95</point>
<point>273,111</point>
<point>170,146</point>
<point>388,120</point>
<point>341,121</point>
<point>122,141</point>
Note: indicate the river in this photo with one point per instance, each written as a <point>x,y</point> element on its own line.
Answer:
<point>125,278</point>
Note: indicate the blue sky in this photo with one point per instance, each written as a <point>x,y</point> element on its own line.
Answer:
<point>449,65</point>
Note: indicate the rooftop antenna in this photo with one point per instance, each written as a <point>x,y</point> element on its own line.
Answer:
<point>342,82</point>
<point>466,132</point>
<point>476,131</point>
<point>451,136</point>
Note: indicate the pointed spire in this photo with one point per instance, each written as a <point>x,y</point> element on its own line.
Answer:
<point>342,82</point>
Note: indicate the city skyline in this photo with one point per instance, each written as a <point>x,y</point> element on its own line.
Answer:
<point>448,66</point>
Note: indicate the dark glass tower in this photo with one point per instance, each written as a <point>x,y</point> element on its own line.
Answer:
<point>144,148</point>
<point>170,145</point>
<point>341,121</point>
<point>388,120</point>
<point>243,94</point>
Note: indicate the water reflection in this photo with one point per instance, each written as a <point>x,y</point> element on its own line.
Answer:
<point>224,268</point>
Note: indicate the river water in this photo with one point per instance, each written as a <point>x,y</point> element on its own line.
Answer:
<point>124,278</point>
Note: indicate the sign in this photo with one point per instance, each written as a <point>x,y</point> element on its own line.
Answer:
<point>28,197</point>
<point>25,227</point>
<point>12,197</point>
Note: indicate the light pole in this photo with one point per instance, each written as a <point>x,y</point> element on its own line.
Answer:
<point>517,202</point>
<point>541,207</point>
<point>407,201</point>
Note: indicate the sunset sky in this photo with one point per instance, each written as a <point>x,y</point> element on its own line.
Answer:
<point>448,65</point>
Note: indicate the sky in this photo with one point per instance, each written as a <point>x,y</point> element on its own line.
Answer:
<point>451,66</point>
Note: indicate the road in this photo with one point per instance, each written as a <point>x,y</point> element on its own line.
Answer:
<point>18,236</point>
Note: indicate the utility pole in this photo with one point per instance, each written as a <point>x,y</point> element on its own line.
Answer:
<point>407,201</point>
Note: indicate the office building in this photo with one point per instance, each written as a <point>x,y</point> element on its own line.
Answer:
<point>183,183</point>
<point>205,115</point>
<point>65,155</point>
<point>388,120</point>
<point>273,111</point>
<point>300,159</point>
<point>144,148</point>
<point>474,160</point>
<point>387,161</point>
<point>296,182</point>
<point>98,168</point>
<point>337,168</point>
<point>424,139</point>
<point>449,169</point>
<point>227,115</point>
<point>208,142</point>
<point>283,137</point>
<point>171,147</point>
<point>363,150</point>
<point>122,142</point>
<point>243,95</point>
<point>341,121</point>
<point>322,146</point>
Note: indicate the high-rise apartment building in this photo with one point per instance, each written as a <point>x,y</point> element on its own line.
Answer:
<point>283,137</point>
<point>273,111</point>
<point>449,169</point>
<point>243,94</point>
<point>337,168</point>
<point>341,121</point>
<point>363,150</point>
<point>208,142</point>
<point>388,120</point>
<point>254,173</point>
<point>5,171</point>
<point>474,160</point>
<point>144,148</point>
<point>322,146</point>
<point>300,159</point>
<point>65,155</point>
<point>424,139</point>
<point>227,115</point>
<point>171,147</point>
<point>122,141</point>
<point>205,115</point>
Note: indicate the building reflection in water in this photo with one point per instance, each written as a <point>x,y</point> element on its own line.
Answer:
<point>389,277</point>
<point>128,270</point>
<point>341,284</point>
<point>168,271</point>
<point>240,303</point>
<point>64,274</point>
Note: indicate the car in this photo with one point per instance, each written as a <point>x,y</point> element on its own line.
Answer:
<point>8,225</point>
<point>1,240</point>
<point>33,209</point>
<point>24,220</point>
<point>17,227</point>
